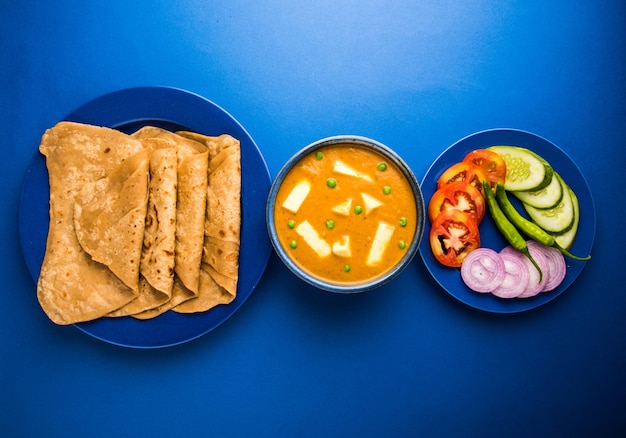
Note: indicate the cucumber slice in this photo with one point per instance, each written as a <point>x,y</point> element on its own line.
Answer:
<point>557,219</point>
<point>525,170</point>
<point>548,197</point>
<point>566,239</point>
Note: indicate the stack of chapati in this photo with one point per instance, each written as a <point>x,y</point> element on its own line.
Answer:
<point>139,224</point>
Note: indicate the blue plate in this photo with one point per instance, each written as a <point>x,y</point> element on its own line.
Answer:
<point>450,278</point>
<point>173,109</point>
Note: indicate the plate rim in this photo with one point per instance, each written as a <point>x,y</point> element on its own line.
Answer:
<point>262,180</point>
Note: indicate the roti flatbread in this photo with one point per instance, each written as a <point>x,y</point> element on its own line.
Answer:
<point>110,215</point>
<point>192,177</point>
<point>159,241</point>
<point>219,271</point>
<point>139,224</point>
<point>179,295</point>
<point>192,180</point>
<point>72,287</point>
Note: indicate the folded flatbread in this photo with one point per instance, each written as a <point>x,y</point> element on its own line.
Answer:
<point>139,224</point>
<point>192,180</point>
<point>110,214</point>
<point>72,287</point>
<point>159,243</point>
<point>159,240</point>
<point>219,270</point>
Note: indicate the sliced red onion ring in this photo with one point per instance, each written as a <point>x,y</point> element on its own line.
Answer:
<point>534,285</point>
<point>555,265</point>
<point>516,276</point>
<point>482,270</point>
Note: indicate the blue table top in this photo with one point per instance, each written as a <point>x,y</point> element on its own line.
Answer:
<point>403,360</point>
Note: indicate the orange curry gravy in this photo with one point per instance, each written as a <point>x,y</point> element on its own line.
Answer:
<point>346,196</point>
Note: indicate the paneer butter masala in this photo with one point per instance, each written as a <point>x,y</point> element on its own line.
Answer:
<point>345,214</point>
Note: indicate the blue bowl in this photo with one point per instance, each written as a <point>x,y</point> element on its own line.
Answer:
<point>372,283</point>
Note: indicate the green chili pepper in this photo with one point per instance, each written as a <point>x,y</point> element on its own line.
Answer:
<point>507,229</point>
<point>527,227</point>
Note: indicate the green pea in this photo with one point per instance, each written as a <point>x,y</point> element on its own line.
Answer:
<point>293,244</point>
<point>402,244</point>
<point>346,268</point>
<point>291,223</point>
<point>382,166</point>
<point>386,190</point>
<point>358,209</point>
<point>403,222</point>
<point>331,182</point>
<point>330,224</point>
<point>319,155</point>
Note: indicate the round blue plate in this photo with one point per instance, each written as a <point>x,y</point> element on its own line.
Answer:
<point>173,109</point>
<point>450,278</point>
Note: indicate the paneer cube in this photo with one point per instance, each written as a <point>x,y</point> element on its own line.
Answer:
<point>370,203</point>
<point>297,196</point>
<point>313,239</point>
<point>342,247</point>
<point>343,208</point>
<point>344,169</point>
<point>380,243</point>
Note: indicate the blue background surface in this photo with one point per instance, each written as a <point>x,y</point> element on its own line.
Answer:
<point>404,360</point>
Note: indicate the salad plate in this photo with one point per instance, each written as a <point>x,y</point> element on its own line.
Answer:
<point>173,109</point>
<point>450,278</point>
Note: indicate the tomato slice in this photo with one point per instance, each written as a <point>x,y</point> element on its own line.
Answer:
<point>490,162</point>
<point>458,195</point>
<point>463,171</point>
<point>454,234</point>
